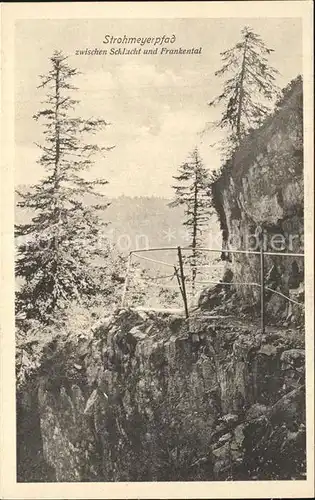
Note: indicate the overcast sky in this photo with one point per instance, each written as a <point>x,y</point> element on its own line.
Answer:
<point>157,104</point>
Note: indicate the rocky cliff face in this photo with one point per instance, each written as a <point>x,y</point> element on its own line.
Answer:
<point>149,398</point>
<point>262,187</point>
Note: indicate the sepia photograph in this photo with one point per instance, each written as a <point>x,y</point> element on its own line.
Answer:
<point>160,250</point>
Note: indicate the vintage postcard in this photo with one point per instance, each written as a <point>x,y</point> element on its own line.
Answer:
<point>157,250</point>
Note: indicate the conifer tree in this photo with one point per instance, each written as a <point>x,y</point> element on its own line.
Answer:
<point>60,254</point>
<point>249,88</point>
<point>193,192</point>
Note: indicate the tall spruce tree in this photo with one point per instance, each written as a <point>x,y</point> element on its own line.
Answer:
<point>249,88</point>
<point>60,255</point>
<point>193,192</point>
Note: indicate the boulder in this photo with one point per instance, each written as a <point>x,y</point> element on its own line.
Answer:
<point>256,411</point>
<point>137,334</point>
<point>293,358</point>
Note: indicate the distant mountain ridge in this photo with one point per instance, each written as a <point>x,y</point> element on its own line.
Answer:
<point>136,222</point>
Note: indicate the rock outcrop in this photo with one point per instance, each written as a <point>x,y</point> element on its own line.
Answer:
<point>262,187</point>
<point>147,398</point>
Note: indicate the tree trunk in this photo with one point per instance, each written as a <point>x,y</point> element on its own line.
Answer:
<point>57,181</point>
<point>195,228</point>
<point>241,94</point>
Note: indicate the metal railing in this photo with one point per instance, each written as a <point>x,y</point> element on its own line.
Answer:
<point>179,273</point>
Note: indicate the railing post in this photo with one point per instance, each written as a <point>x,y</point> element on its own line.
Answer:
<point>178,281</point>
<point>262,285</point>
<point>123,298</point>
<point>182,275</point>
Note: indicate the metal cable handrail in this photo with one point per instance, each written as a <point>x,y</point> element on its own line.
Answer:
<point>254,284</point>
<point>285,296</point>
<point>205,282</point>
<point>154,260</point>
<point>147,278</point>
<point>163,286</point>
<point>226,283</point>
<point>221,283</point>
<point>219,250</point>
